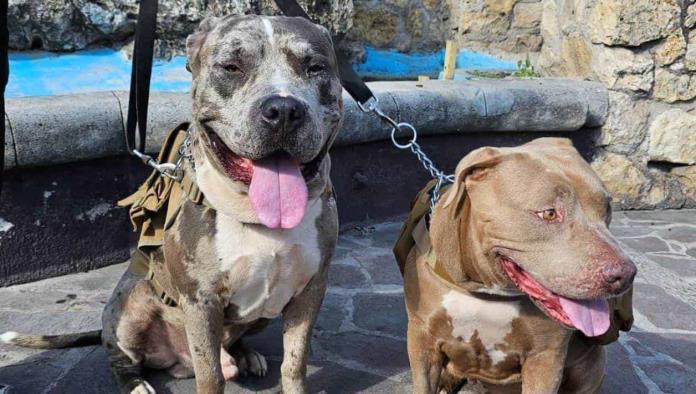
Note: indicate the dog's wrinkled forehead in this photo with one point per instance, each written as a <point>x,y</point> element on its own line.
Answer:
<point>281,40</point>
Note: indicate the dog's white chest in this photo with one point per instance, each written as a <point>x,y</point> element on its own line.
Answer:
<point>491,321</point>
<point>266,268</point>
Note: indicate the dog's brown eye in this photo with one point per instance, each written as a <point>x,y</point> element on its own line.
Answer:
<point>549,215</point>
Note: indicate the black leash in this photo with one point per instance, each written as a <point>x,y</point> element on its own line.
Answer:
<point>4,76</point>
<point>141,72</point>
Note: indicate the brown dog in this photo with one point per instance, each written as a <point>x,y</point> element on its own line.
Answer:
<point>520,263</point>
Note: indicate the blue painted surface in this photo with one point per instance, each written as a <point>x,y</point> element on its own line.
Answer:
<point>392,64</point>
<point>47,74</point>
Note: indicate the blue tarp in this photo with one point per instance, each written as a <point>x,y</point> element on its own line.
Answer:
<point>47,74</point>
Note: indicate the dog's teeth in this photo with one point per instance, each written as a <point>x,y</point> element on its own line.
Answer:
<point>8,337</point>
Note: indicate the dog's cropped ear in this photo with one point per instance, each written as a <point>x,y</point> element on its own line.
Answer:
<point>472,165</point>
<point>194,42</point>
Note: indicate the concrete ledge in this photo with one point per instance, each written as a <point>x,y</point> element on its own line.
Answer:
<point>65,129</point>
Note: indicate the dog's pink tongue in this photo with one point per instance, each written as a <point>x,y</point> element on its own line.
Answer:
<point>278,192</point>
<point>589,316</point>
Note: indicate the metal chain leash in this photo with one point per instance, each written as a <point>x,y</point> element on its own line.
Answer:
<point>171,170</point>
<point>372,106</point>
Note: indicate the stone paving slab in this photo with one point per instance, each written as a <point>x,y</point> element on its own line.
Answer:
<point>359,343</point>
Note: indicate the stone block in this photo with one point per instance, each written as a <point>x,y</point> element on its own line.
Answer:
<point>673,137</point>
<point>634,22</point>
<point>527,15</point>
<point>648,244</point>
<point>627,123</point>
<point>382,268</point>
<point>686,177</point>
<point>620,377</point>
<point>662,309</point>
<point>383,356</point>
<point>623,69</point>
<point>620,175</point>
<point>671,87</point>
<point>332,314</point>
<point>384,313</point>
<point>378,26</point>
<point>51,130</point>
<point>671,49</point>
<point>690,56</point>
<point>346,276</point>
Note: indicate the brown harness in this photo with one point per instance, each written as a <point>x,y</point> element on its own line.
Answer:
<point>154,207</point>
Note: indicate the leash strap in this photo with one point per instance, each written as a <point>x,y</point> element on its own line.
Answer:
<point>141,72</point>
<point>353,84</point>
<point>4,76</point>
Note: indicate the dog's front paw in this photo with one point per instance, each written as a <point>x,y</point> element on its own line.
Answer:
<point>143,388</point>
<point>249,361</point>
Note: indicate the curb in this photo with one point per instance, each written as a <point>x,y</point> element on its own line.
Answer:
<point>64,129</point>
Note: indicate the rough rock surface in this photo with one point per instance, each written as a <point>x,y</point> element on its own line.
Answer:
<point>359,340</point>
<point>644,51</point>
<point>59,25</point>
<point>501,26</point>
<point>634,22</point>
<point>673,138</point>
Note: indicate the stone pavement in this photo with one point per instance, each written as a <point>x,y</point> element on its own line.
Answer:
<point>359,340</point>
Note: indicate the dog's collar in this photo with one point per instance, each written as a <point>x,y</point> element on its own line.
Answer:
<point>425,252</point>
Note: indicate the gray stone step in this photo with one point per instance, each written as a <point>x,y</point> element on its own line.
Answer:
<point>65,129</point>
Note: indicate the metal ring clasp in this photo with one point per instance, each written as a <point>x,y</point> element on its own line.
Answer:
<point>400,127</point>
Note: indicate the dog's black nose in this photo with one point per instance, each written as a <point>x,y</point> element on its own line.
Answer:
<point>282,113</point>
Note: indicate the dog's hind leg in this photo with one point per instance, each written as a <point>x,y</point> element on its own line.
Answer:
<point>128,374</point>
<point>450,384</point>
<point>248,360</point>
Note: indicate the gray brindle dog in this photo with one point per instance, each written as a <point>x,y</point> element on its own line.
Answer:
<point>266,106</point>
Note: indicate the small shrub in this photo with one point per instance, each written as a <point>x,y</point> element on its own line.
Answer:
<point>525,69</point>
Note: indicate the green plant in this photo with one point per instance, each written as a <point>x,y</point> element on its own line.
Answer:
<point>525,69</point>
<point>488,74</point>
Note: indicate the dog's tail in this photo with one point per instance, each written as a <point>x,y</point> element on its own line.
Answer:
<point>89,338</point>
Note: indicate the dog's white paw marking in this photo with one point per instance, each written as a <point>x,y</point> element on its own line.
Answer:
<point>143,388</point>
<point>9,337</point>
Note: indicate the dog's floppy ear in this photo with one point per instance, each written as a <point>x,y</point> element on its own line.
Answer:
<point>194,42</point>
<point>470,166</point>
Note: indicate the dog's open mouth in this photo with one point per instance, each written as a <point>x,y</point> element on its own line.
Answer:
<point>591,317</point>
<point>277,185</point>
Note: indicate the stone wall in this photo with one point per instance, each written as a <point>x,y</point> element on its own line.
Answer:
<point>506,27</point>
<point>60,25</point>
<point>510,28</point>
<point>644,51</point>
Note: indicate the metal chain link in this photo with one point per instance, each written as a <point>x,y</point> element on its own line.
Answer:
<point>372,106</point>
<point>171,170</point>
